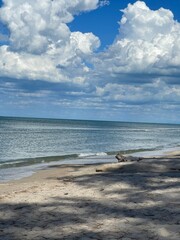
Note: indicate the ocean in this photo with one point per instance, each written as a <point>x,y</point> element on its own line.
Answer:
<point>29,144</point>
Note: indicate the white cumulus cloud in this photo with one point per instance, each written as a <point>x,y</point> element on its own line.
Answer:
<point>148,42</point>
<point>40,39</point>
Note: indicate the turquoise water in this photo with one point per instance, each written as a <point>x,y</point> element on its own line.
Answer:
<point>28,141</point>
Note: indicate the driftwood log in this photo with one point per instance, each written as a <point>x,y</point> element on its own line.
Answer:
<point>122,158</point>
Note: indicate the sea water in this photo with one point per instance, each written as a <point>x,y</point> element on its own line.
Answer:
<point>28,143</point>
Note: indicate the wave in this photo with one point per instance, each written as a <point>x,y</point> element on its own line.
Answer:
<point>73,157</point>
<point>47,159</point>
<point>37,160</point>
<point>81,155</point>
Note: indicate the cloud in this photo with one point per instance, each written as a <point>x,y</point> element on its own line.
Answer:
<point>140,71</point>
<point>148,43</point>
<point>41,41</point>
<point>146,94</point>
<point>35,25</point>
<point>141,67</point>
<point>104,3</point>
<point>43,47</point>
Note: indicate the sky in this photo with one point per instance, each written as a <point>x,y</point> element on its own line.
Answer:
<point>116,60</point>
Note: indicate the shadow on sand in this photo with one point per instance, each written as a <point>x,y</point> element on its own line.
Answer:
<point>146,207</point>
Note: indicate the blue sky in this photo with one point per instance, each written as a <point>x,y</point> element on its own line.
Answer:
<point>106,19</point>
<point>89,60</point>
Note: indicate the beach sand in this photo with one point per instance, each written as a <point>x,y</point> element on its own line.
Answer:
<point>130,200</point>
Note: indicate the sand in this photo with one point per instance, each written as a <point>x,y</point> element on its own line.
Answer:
<point>131,200</point>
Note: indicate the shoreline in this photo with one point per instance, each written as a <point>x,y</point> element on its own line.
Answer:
<point>19,172</point>
<point>128,200</point>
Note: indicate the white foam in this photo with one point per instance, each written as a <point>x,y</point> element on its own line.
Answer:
<point>81,155</point>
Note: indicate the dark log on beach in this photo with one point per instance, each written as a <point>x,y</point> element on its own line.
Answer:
<point>122,158</point>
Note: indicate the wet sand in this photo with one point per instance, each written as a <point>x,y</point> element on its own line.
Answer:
<point>131,200</point>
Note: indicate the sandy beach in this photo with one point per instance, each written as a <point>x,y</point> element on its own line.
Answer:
<point>129,200</point>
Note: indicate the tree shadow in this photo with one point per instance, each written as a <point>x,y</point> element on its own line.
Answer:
<point>127,205</point>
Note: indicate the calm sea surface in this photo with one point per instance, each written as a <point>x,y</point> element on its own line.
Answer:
<point>28,141</point>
